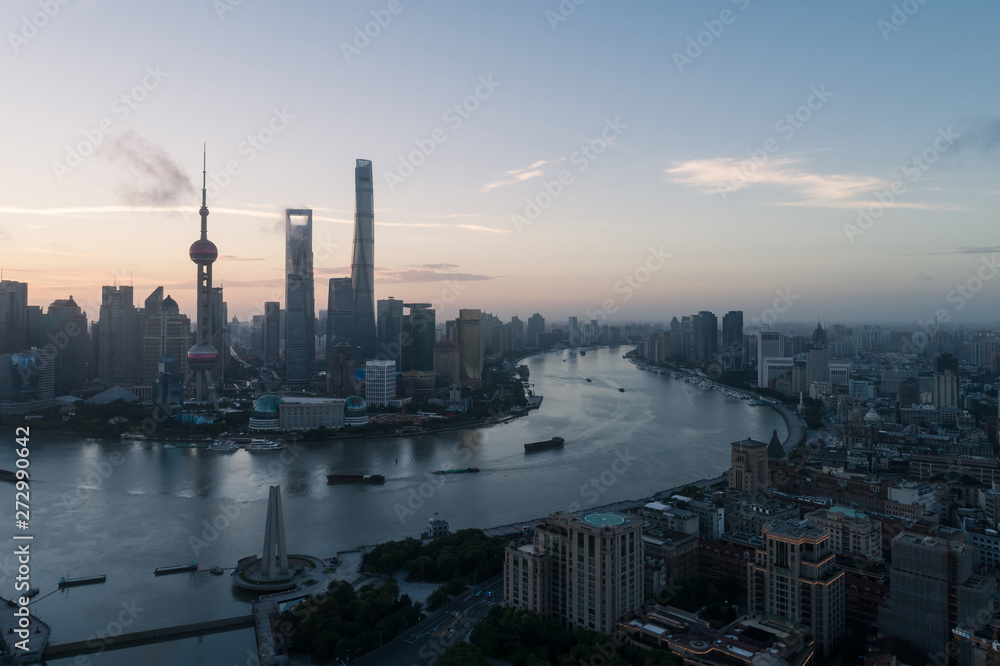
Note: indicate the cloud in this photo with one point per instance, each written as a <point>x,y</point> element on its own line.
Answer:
<point>516,176</point>
<point>277,216</point>
<point>722,175</point>
<point>981,134</point>
<point>422,275</point>
<point>434,266</point>
<point>727,174</point>
<point>232,257</point>
<point>965,249</point>
<point>148,176</point>
<point>75,253</point>
<point>338,271</point>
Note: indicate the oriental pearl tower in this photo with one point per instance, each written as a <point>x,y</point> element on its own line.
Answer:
<point>202,356</point>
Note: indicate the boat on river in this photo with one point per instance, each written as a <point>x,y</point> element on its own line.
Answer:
<point>355,478</point>
<point>554,443</point>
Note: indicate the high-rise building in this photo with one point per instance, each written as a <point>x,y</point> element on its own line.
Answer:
<point>300,313</point>
<point>448,361</point>
<point>732,340</point>
<point>748,470</point>
<point>36,327</point>
<point>168,386</point>
<point>152,303</point>
<point>851,531</point>
<point>380,382</point>
<point>676,340</point>
<point>340,326</point>
<point>516,333</point>
<point>705,331</point>
<point>422,336</point>
<point>471,346</point>
<point>118,348</point>
<point>167,334</point>
<point>686,337</point>
<point>945,381</point>
<point>26,382</point>
<point>795,577</point>
<point>272,333</point>
<point>363,264</point>
<point>909,391</point>
<point>573,332</point>
<point>584,569</point>
<point>405,362</point>
<point>390,330</point>
<point>536,325</point>
<point>489,333</point>
<point>220,335</point>
<point>220,311</point>
<point>13,316</point>
<point>817,358</point>
<point>934,591</point>
<point>202,357</point>
<point>66,329</point>
<point>340,371</point>
<point>769,345</point>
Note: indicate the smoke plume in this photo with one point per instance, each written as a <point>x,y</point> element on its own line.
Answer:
<point>147,175</point>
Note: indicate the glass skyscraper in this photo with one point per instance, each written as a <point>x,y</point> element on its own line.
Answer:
<point>300,318</point>
<point>363,264</point>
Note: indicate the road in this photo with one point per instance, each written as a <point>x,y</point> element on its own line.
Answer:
<point>424,643</point>
<point>796,428</point>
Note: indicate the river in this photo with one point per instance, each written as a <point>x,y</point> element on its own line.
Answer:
<point>125,508</point>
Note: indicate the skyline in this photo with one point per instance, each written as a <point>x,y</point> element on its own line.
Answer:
<point>676,127</point>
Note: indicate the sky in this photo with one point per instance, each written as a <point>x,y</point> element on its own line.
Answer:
<point>606,160</point>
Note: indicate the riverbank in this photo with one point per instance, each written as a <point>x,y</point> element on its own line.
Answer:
<point>483,423</point>
<point>794,425</point>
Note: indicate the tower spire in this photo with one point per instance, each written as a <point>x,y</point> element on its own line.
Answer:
<point>204,170</point>
<point>204,200</point>
<point>202,357</point>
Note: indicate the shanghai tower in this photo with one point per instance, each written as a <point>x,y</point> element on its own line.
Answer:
<point>363,265</point>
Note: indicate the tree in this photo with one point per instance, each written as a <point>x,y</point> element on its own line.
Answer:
<point>463,654</point>
<point>814,418</point>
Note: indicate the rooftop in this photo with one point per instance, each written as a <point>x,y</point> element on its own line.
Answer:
<point>800,529</point>
<point>750,443</point>
<point>847,511</point>
<point>930,542</point>
<point>605,519</point>
<point>310,401</point>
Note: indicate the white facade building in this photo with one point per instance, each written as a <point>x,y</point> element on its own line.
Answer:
<point>380,382</point>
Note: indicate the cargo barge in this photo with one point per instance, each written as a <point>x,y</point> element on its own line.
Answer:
<point>177,568</point>
<point>86,580</point>
<point>355,478</point>
<point>554,443</point>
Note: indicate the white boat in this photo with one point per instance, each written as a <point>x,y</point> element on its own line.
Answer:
<point>132,435</point>
<point>266,446</point>
<point>223,445</point>
<point>257,444</point>
<point>169,446</point>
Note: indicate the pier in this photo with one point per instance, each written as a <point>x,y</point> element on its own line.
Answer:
<point>94,645</point>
